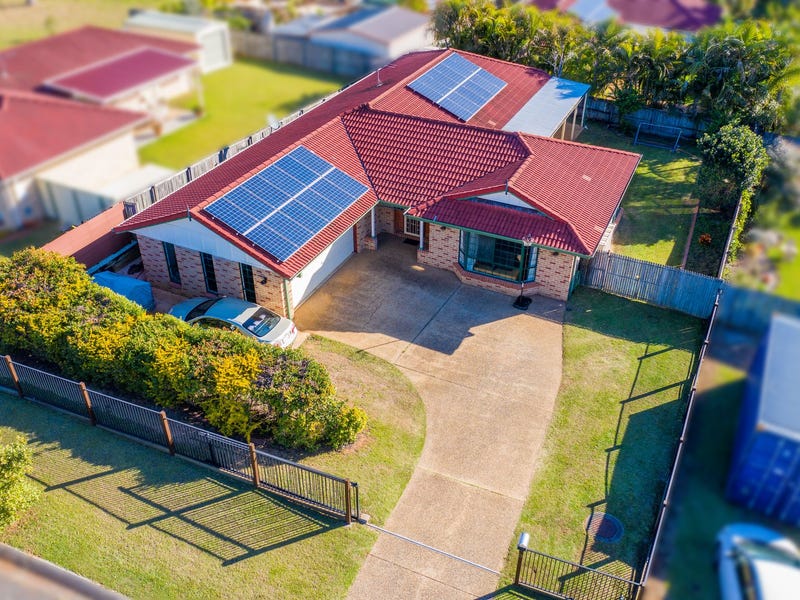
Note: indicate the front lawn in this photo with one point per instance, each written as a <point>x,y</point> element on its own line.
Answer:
<point>658,205</point>
<point>154,526</point>
<point>238,101</point>
<point>627,367</point>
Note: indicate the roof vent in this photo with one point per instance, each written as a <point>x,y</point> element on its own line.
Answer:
<point>586,177</point>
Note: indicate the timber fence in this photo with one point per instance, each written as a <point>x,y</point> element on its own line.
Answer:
<point>316,489</point>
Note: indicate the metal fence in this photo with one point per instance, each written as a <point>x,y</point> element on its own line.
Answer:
<point>565,579</point>
<point>319,490</point>
<point>668,287</point>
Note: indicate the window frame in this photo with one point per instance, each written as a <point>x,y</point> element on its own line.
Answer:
<point>472,244</point>
<point>248,282</point>
<point>209,273</point>
<point>171,258</point>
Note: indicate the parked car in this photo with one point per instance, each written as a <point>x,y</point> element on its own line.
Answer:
<point>238,315</point>
<point>756,563</point>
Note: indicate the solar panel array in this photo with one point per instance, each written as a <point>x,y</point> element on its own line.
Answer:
<point>283,206</point>
<point>458,86</point>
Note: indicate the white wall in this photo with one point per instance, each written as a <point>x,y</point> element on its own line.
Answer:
<point>192,235</point>
<point>152,99</point>
<point>98,165</point>
<point>19,203</point>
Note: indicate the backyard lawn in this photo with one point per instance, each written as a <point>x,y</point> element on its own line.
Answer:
<point>238,101</point>
<point>658,205</point>
<point>22,23</point>
<point>627,367</point>
<point>37,235</point>
<point>153,526</point>
<point>787,223</point>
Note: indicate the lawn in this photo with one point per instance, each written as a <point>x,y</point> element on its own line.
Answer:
<point>238,101</point>
<point>699,508</point>
<point>37,235</point>
<point>21,23</point>
<point>658,205</point>
<point>787,222</point>
<point>153,526</point>
<point>610,444</point>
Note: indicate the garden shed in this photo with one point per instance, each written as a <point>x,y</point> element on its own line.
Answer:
<point>213,37</point>
<point>765,470</point>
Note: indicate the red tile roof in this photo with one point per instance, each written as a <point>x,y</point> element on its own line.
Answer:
<point>427,162</point>
<point>28,66</point>
<point>93,240</point>
<point>522,83</point>
<point>107,79</point>
<point>36,128</point>
<point>411,159</point>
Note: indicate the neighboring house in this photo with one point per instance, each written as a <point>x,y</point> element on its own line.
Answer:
<point>353,44</point>
<point>104,66</point>
<point>681,15</point>
<point>211,36</point>
<point>64,159</point>
<point>430,150</point>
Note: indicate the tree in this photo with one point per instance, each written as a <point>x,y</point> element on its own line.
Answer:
<point>17,492</point>
<point>738,151</point>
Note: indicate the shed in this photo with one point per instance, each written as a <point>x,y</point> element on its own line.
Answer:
<point>765,470</point>
<point>213,37</point>
<point>136,290</point>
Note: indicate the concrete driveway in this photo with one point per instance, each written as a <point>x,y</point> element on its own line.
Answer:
<point>488,375</point>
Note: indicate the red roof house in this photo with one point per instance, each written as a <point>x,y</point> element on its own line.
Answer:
<point>434,163</point>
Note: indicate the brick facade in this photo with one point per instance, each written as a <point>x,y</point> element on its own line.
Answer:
<point>553,271</point>
<point>269,294</point>
<point>364,239</point>
<point>384,219</point>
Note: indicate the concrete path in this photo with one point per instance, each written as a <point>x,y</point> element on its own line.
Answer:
<point>488,375</point>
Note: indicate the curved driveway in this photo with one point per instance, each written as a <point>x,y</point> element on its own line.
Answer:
<point>488,375</point>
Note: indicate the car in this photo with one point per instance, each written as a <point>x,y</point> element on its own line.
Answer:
<point>757,563</point>
<point>248,318</point>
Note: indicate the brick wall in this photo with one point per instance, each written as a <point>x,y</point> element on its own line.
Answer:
<point>364,239</point>
<point>384,219</point>
<point>553,272</point>
<point>229,279</point>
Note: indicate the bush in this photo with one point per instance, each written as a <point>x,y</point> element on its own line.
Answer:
<point>17,492</point>
<point>737,151</point>
<point>50,308</point>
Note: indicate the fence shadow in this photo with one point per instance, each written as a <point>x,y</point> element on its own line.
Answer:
<point>142,487</point>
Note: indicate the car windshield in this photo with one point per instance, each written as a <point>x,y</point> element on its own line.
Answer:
<point>766,551</point>
<point>261,322</point>
<point>201,309</point>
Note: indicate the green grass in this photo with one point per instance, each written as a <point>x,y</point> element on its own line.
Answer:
<point>699,508</point>
<point>658,205</point>
<point>154,526</point>
<point>238,100</point>
<point>20,23</point>
<point>610,444</point>
<point>787,222</point>
<point>37,235</point>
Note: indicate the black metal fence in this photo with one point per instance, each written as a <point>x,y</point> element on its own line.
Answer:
<point>319,490</point>
<point>565,579</point>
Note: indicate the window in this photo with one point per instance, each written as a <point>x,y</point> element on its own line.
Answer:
<point>248,285</point>
<point>208,272</point>
<point>172,262</point>
<point>496,257</point>
<point>410,226</point>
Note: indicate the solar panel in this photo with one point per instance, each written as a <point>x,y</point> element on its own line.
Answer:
<point>286,204</point>
<point>459,86</point>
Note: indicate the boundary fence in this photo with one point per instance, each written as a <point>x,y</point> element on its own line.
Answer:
<point>316,489</point>
<point>568,580</point>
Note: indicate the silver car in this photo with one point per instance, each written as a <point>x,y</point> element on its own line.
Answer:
<point>232,313</point>
<point>756,563</point>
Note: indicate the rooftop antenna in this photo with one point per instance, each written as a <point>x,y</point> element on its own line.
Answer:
<point>378,73</point>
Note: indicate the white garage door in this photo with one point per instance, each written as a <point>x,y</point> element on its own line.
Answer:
<point>322,267</point>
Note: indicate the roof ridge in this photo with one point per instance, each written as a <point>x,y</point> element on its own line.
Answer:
<point>573,143</point>
<point>106,60</point>
<point>442,54</point>
<point>45,98</point>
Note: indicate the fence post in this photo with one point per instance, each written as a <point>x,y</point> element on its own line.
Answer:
<point>348,501</point>
<point>254,461</point>
<point>88,401</point>
<point>522,546</point>
<point>14,376</point>
<point>167,433</point>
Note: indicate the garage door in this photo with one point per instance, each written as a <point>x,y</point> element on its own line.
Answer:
<point>322,267</point>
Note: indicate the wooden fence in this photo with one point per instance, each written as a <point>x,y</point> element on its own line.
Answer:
<point>316,489</point>
<point>668,287</point>
<point>604,111</point>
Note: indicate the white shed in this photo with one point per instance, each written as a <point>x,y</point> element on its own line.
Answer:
<point>213,37</point>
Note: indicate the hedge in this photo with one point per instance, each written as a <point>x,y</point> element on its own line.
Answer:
<point>51,310</point>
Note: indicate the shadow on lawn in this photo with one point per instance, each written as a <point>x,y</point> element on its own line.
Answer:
<point>142,487</point>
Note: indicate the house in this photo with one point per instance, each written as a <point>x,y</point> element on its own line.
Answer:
<point>108,67</point>
<point>353,44</point>
<point>430,149</point>
<point>211,36</point>
<point>681,15</point>
<point>59,157</point>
